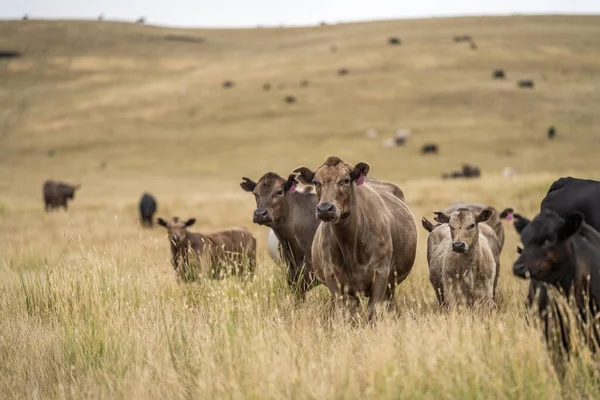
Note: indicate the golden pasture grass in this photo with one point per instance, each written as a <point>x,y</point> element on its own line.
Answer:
<point>89,304</point>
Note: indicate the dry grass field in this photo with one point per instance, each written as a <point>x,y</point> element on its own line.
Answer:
<point>89,304</point>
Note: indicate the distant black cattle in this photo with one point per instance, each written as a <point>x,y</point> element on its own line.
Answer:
<point>101,17</point>
<point>429,148</point>
<point>56,194</point>
<point>304,83</point>
<point>25,17</point>
<point>266,86</point>
<point>551,132</point>
<point>9,54</point>
<point>498,74</point>
<point>289,99</point>
<point>141,20</point>
<point>228,84</point>
<point>343,71</point>
<point>462,38</point>
<point>467,171</point>
<point>526,84</point>
<point>394,41</point>
<point>147,209</point>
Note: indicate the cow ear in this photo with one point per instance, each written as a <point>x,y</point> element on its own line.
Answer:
<point>428,225</point>
<point>190,222</point>
<point>162,222</point>
<point>304,175</point>
<point>520,222</point>
<point>485,215</point>
<point>359,173</point>
<point>507,214</point>
<point>363,167</point>
<point>248,184</point>
<point>290,185</point>
<point>571,226</point>
<point>441,217</point>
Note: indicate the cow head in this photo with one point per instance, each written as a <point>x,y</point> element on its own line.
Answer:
<point>69,190</point>
<point>270,193</point>
<point>464,226</point>
<point>545,246</point>
<point>176,229</point>
<point>334,182</point>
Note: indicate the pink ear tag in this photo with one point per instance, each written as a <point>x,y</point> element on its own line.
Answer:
<point>360,180</point>
<point>293,188</point>
<point>509,217</point>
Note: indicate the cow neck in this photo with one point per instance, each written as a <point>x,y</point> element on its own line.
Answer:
<point>286,229</point>
<point>346,232</point>
<point>574,274</point>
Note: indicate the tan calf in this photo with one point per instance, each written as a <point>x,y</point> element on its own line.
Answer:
<point>366,242</point>
<point>462,261</point>
<point>193,253</point>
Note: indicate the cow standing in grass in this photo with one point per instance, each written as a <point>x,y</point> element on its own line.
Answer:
<point>290,214</point>
<point>147,209</point>
<point>463,254</point>
<point>219,253</point>
<point>57,194</point>
<point>366,242</point>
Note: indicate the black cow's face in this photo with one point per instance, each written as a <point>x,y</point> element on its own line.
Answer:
<point>270,192</point>
<point>545,241</point>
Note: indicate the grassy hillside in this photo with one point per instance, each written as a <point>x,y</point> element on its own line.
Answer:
<point>89,306</point>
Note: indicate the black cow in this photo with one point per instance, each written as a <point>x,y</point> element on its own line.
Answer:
<point>565,197</point>
<point>429,148</point>
<point>289,99</point>
<point>343,71</point>
<point>228,84</point>
<point>147,209</point>
<point>551,132</point>
<point>526,84</point>
<point>394,41</point>
<point>57,194</point>
<point>498,74</point>
<point>266,86</point>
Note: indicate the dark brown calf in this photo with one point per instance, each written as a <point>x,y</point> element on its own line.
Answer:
<point>219,253</point>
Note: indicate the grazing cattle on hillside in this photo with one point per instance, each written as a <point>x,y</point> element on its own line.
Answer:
<point>498,74</point>
<point>141,20</point>
<point>147,209</point>
<point>467,171</point>
<point>463,255</point>
<point>394,41</point>
<point>25,17</point>
<point>526,84</point>
<point>219,253</point>
<point>401,137</point>
<point>289,99</point>
<point>228,84</point>
<point>563,253</point>
<point>56,194</point>
<point>266,86</point>
<point>290,214</point>
<point>463,38</point>
<point>343,71</point>
<point>551,132</point>
<point>366,242</point>
<point>429,148</point>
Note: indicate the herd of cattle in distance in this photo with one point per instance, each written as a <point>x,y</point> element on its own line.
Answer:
<point>355,234</point>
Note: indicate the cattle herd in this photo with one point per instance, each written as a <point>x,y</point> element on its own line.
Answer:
<point>338,226</point>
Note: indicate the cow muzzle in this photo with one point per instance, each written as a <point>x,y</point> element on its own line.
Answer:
<point>326,212</point>
<point>262,216</point>
<point>459,247</point>
<point>520,270</point>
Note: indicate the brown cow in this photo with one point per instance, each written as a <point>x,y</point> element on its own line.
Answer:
<point>462,254</point>
<point>366,242</point>
<point>290,213</point>
<point>214,252</point>
<point>56,194</point>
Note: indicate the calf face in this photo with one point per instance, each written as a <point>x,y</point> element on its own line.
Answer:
<point>545,241</point>
<point>270,192</point>
<point>464,227</point>
<point>176,228</point>
<point>334,182</point>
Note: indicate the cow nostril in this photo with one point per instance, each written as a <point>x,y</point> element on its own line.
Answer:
<point>458,245</point>
<point>260,212</point>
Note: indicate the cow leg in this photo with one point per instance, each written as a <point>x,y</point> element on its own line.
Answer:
<point>379,285</point>
<point>390,297</point>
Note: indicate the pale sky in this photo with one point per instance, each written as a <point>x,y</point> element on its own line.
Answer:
<point>237,13</point>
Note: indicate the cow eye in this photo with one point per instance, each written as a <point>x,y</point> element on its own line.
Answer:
<point>345,181</point>
<point>280,192</point>
<point>471,226</point>
<point>316,183</point>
